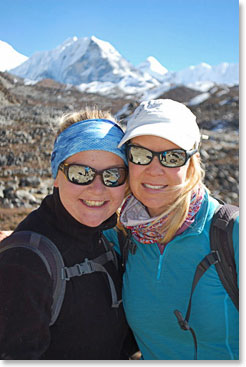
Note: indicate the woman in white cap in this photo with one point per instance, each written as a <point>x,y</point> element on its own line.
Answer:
<point>169,213</point>
<point>90,173</point>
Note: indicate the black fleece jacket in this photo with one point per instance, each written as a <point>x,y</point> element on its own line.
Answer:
<point>87,328</point>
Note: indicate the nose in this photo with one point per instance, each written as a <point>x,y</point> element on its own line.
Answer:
<point>97,186</point>
<point>155,168</point>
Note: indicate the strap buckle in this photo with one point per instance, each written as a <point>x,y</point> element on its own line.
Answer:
<point>216,256</point>
<point>182,322</point>
<point>64,273</point>
<point>85,267</point>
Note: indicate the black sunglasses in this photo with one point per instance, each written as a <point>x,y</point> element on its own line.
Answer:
<point>168,158</point>
<point>85,175</point>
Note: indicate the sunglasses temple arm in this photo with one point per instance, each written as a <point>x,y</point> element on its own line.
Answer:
<point>192,152</point>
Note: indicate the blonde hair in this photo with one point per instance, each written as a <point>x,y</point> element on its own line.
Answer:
<point>178,210</point>
<point>88,113</point>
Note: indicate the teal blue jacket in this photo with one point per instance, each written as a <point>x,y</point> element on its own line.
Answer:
<point>156,284</point>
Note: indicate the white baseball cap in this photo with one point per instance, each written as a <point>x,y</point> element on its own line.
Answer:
<point>167,119</point>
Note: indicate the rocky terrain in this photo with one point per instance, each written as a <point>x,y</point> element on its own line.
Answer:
<point>28,119</point>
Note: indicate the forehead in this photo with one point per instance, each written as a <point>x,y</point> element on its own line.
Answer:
<point>155,143</point>
<point>96,158</point>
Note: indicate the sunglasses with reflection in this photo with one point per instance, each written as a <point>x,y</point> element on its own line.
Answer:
<point>79,174</point>
<point>170,158</point>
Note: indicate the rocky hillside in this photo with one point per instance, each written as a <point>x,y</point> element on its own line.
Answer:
<point>29,114</point>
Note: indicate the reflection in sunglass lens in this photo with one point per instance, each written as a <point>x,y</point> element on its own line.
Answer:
<point>111,177</point>
<point>140,155</point>
<point>80,174</point>
<point>173,158</point>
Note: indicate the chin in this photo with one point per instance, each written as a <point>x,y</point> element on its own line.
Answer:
<point>93,225</point>
<point>93,222</point>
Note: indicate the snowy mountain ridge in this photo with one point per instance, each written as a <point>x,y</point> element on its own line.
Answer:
<point>95,66</point>
<point>10,58</point>
<point>83,61</point>
<point>153,67</point>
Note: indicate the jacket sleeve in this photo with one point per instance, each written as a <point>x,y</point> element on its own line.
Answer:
<point>112,236</point>
<point>130,347</point>
<point>25,305</point>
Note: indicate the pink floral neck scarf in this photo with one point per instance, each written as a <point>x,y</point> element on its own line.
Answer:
<point>134,216</point>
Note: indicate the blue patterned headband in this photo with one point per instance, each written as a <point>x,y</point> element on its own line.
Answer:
<point>94,134</point>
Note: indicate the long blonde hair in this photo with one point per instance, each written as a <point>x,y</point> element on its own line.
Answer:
<point>178,210</point>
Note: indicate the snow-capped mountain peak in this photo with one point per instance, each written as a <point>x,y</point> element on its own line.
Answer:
<point>224,73</point>
<point>83,61</point>
<point>10,58</point>
<point>201,66</point>
<point>107,51</point>
<point>68,42</point>
<point>152,67</point>
<point>105,46</point>
<point>155,66</point>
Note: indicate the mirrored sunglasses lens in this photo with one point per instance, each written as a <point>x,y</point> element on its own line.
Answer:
<point>114,176</point>
<point>140,155</point>
<point>173,158</point>
<point>80,174</point>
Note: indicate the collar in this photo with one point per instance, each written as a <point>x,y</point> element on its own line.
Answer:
<point>205,213</point>
<point>135,213</point>
<point>61,218</point>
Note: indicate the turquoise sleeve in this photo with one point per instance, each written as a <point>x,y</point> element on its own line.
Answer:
<point>111,235</point>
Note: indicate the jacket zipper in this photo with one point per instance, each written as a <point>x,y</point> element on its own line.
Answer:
<point>161,257</point>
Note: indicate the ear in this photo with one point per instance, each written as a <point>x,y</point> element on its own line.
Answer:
<point>198,155</point>
<point>56,182</point>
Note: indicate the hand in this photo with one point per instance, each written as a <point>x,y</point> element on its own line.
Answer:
<point>136,356</point>
<point>4,234</point>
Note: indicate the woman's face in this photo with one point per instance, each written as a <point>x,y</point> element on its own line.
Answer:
<point>94,203</point>
<point>152,184</point>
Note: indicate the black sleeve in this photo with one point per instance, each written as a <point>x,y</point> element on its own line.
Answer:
<point>25,305</point>
<point>130,346</point>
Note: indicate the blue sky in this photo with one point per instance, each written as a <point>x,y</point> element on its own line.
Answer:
<point>179,33</point>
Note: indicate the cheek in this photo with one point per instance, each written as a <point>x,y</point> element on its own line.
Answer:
<point>135,172</point>
<point>178,175</point>
<point>118,195</point>
<point>68,191</point>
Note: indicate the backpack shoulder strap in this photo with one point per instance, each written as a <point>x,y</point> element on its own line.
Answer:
<point>109,248</point>
<point>202,267</point>
<point>221,241</point>
<point>222,256</point>
<point>126,244</point>
<point>51,257</point>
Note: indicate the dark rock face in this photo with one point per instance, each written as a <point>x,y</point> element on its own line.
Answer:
<point>28,120</point>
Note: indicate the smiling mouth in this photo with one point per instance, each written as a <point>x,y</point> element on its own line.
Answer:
<point>154,187</point>
<point>93,203</point>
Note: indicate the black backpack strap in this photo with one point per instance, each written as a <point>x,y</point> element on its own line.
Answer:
<point>109,247</point>
<point>51,257</point>
<point>202,267</point>
<point>91,266</point>
<point>221,241</point>
<point>126,244</point>
<point>221,255</point>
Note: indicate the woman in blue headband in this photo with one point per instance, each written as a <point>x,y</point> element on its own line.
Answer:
<point>90,173</point>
